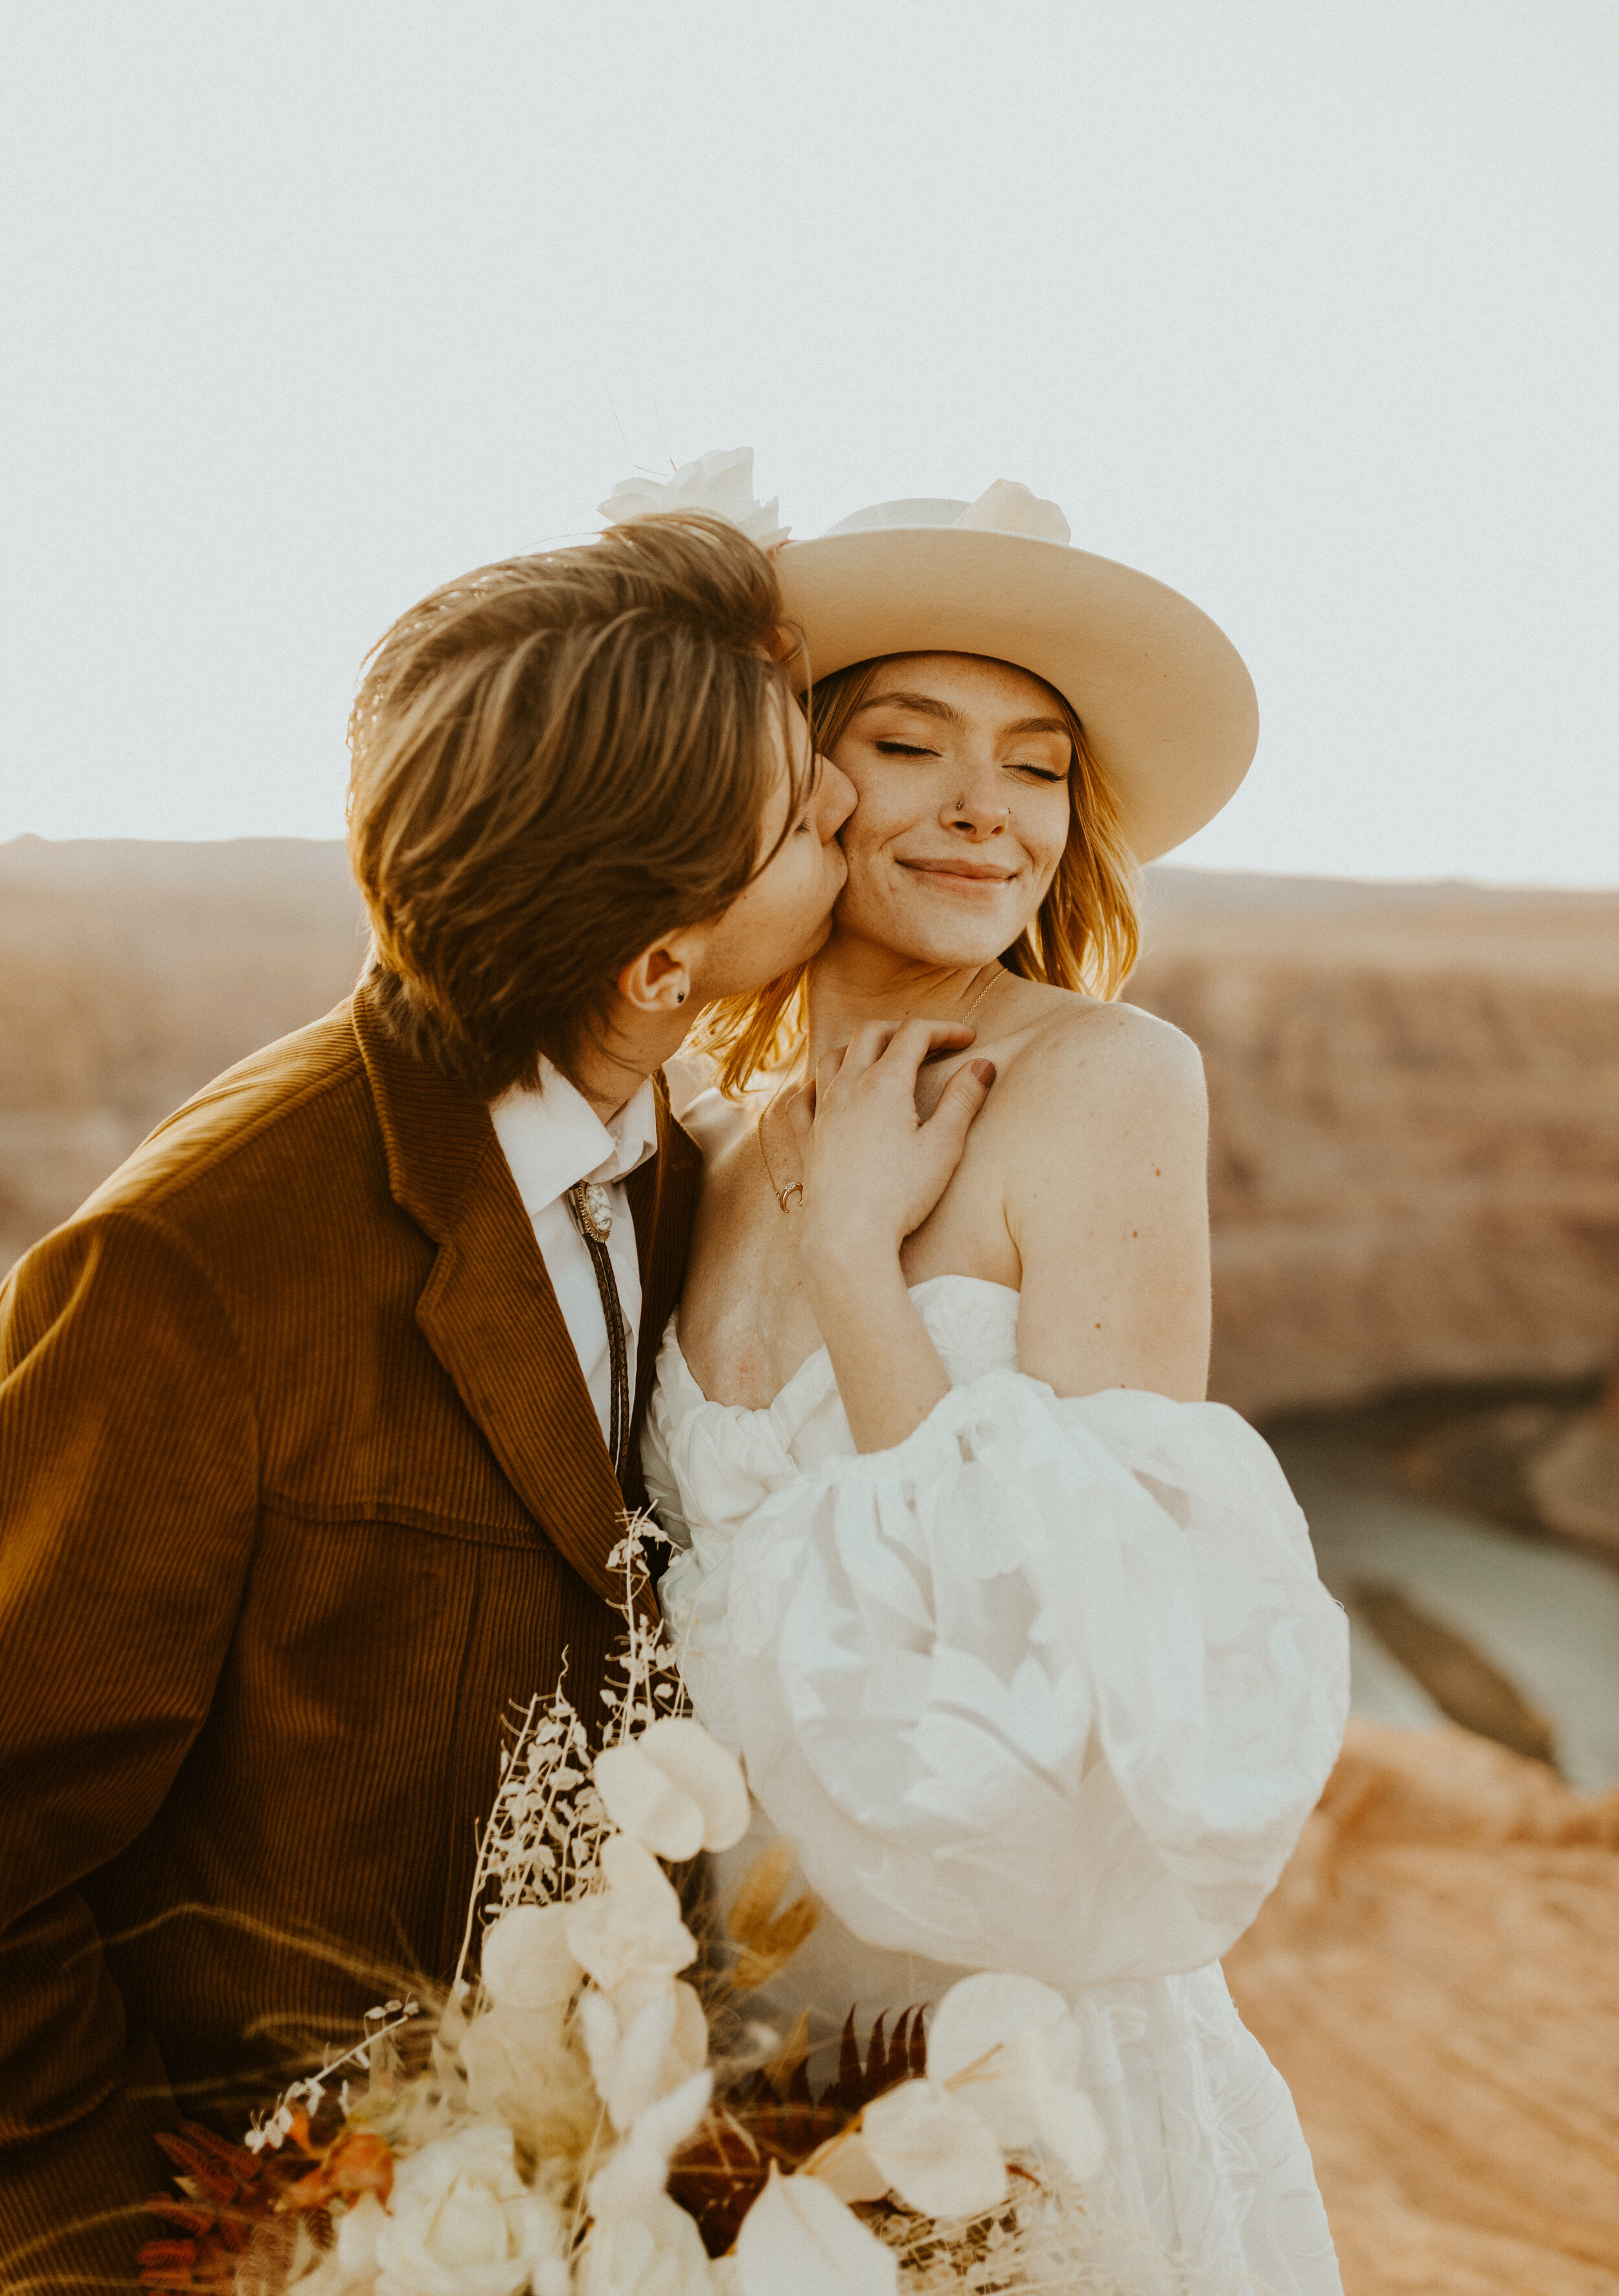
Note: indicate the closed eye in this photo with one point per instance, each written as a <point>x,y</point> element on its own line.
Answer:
<point>902,750</point>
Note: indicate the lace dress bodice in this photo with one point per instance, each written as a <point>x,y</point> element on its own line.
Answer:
<point>1050,1687</point>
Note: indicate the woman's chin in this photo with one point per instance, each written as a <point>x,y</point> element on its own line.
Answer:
<point>950,943</point>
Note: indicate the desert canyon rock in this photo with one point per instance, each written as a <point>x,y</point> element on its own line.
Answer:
<point>1414,1166</point>
<point>1414,1153</point>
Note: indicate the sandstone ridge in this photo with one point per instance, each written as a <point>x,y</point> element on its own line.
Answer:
<point>1414,1094</point>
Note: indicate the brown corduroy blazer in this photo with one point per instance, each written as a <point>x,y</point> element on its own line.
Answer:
<point>300,1489</point>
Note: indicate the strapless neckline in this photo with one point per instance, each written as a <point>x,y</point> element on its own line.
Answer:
<point>814,1373</point>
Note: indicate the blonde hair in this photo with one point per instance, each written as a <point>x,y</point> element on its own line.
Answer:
<point>556,761</point>
<point>1084,936</point>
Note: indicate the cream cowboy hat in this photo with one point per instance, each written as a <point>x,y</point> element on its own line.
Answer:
<point>1166,704</point>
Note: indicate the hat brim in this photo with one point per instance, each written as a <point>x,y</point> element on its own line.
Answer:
<point>1168,705</point>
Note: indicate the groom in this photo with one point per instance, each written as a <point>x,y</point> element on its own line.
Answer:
<point>318,1420</point>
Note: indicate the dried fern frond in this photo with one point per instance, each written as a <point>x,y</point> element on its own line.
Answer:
<point>903,2056</point>
<point>231,2204</point>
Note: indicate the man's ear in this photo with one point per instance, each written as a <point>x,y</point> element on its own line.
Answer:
<point>659,980</point>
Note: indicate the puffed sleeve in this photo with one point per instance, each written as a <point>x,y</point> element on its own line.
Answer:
<point>1050,1686</point>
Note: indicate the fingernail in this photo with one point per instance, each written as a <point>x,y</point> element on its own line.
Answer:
<point>985,1071</point>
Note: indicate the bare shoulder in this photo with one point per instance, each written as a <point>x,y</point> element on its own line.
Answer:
<point>1104,1140</point>
<point>1083,1063</point>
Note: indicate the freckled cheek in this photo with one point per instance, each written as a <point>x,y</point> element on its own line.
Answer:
<point>866,842</point>
<point>881,813</point>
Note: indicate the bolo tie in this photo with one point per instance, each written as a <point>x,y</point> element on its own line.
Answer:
<point>592,1210</point>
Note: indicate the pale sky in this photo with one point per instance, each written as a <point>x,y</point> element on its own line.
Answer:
<point>1310,310</point>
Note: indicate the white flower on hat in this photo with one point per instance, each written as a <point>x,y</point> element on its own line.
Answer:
<point>720,483</point>
<point>674,1789</point>
<point>1008,507</point>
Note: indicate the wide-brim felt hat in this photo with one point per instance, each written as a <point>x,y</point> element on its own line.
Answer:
<point>1168,705</point>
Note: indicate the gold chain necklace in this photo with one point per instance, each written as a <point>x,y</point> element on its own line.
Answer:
<point>784,1195</point>
<point>781,1195</point>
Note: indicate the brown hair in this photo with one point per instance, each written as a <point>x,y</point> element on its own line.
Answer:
<point>556,761</point>
<point>1085,934</point>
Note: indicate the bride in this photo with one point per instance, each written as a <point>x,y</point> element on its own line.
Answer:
<point>1021,1639</point>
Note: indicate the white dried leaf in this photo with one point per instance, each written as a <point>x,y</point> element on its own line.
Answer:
<point>798,2239</point>
<point>689,2041</point>
<point>633,1927</point>
<point>649,1804</point>
<point>708,1771</point>
<point>524,1963</point>
<point>658,2253</point>
<point>993,2034</point>
<point>641,2042</point>
<point>1008,2050</point>
<point>639,2169</point>
<point>980,2012</point>
<point>936,2155</point>
<point>638,2062</point>
<point>674,1789</point>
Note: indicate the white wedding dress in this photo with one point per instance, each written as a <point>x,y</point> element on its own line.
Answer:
<point>1050,1686</point>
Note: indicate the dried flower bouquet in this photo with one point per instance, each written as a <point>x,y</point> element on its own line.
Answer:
<point>586,2121</point>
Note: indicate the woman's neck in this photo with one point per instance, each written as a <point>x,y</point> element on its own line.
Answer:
<point>854,981</point>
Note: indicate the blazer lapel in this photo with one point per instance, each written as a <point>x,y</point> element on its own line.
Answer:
<point>488,1311</point>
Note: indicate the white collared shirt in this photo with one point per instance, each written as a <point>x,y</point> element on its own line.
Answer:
<point>552,1138</point>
